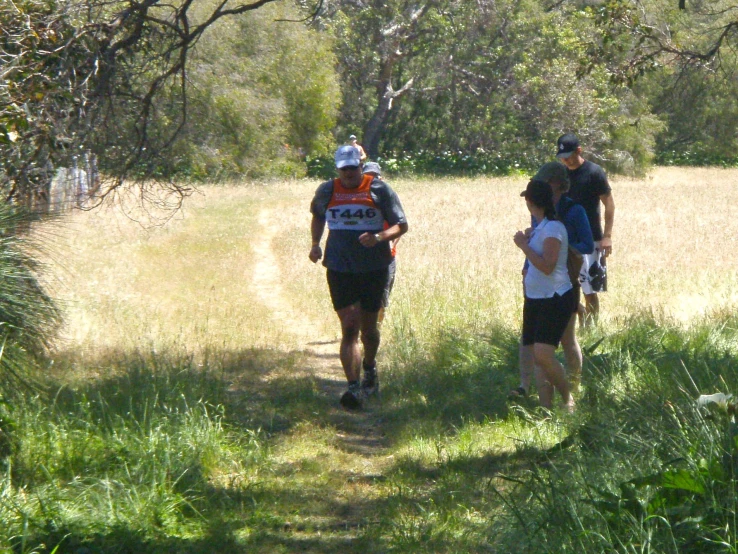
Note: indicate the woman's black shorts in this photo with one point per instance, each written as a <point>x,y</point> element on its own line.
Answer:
<point>545,319</point>
<point>365,288</point>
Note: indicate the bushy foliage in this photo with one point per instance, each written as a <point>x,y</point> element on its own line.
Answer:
<point>697,157</point>
<point>507,78</point>
<point>443,163</point>
<point>29,317</point>
<point>264,96</point>
<point>700,109</point>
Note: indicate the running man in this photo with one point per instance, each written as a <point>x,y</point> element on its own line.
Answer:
<point>589,187</point>
<point>357,257</point>
<point>352,142</point>
<point>375,170</point>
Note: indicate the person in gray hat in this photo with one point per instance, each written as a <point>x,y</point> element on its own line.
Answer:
<point>357,256</point>
<point>590,187</point>
<point>375,170</point>
<point>579,235</point>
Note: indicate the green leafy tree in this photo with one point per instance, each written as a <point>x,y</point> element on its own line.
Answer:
<point>505,77</point>
<point>263,94</point>
<point>109,76</point>
<point>383,49</point>
<point>683,61</point>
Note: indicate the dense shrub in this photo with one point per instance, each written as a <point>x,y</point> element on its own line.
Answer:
<point>695,158</point>
<point>428,163</point>
<point>28,315</point>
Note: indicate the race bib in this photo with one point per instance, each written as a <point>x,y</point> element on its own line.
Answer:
<point>354,217</point>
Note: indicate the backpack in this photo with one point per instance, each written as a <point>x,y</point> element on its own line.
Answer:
<point>574,258</point>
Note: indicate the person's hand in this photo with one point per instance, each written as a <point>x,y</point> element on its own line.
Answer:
<point>369,240</point>
<point>606,246</point>
<point>520,239</point>
<point>315,253</point>
<point>528,232</point>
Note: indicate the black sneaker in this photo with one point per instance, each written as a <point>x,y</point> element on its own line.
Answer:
<point>370,382</point>
<point>353,398</point>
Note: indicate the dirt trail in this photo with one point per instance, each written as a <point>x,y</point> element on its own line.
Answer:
<point>359,431</point>
<point>268,289</point>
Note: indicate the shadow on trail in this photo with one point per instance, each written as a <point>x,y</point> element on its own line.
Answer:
<point>149,422</point>
<point>229,531</point>
<point>271,390</point>
<point>264,389</point>
<point>324,342</point>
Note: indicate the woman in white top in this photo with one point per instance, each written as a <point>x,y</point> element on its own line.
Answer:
<point>548,293</point>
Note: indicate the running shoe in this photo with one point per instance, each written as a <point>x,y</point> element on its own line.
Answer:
<point>370,382</point>
<point>353,398</point>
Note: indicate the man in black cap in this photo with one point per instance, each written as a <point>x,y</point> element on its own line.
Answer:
<point>589,187</point>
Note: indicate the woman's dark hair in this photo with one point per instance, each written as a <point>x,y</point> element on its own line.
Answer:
<point>540,194</point>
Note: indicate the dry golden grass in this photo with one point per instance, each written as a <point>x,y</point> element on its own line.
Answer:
<point>187,283</point>
<point>231,269</point>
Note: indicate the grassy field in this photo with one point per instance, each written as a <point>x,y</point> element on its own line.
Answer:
<point>191,403</point>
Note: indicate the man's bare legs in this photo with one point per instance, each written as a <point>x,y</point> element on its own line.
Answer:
<point>572,354</point>
<point>370,337</point>
<point>380,315</point>
<point>355,324</point>
<point>591,309</point>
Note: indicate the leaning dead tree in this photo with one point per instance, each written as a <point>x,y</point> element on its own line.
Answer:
<point>101,76</point>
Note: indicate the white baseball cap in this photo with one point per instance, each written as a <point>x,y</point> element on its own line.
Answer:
<point>347,156</point>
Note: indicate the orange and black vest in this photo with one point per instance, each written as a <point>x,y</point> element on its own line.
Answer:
<point>353,209</point>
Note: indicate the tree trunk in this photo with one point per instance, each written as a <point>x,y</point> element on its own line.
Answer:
<point>375,126</point>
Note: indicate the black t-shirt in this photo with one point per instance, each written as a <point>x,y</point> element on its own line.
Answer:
<point>588,183</point>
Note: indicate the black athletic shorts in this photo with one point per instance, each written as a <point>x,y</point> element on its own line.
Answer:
<point>545,319</point>
<point>365,288</point>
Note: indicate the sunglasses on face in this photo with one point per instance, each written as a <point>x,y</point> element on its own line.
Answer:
<point>350,168</point>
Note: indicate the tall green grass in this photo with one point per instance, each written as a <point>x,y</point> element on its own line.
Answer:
<point>639,468</point>
<point>125,461</point>
<point>160,453</point>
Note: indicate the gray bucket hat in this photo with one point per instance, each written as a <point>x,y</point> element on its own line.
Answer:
<point>553,171</point>
<point>372,167</point>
